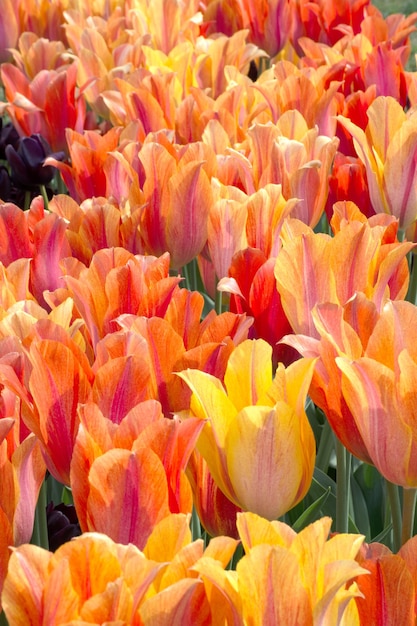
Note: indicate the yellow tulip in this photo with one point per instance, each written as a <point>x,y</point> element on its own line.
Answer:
<point>257,440</point>
<point>290,578</point>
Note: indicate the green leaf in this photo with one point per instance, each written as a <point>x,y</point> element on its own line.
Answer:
<point>359,508</point>
<point>373,489</point>
<point>383,536</point>
<point>312,513</point>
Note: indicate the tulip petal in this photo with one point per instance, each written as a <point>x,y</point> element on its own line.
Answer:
<point>22,596</point>
<point>128,495</point>
<point>271,588</point>
<point>278,452</point>
<point>249,373</point>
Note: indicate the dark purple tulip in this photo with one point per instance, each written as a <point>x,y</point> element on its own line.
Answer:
<point>26,162</point>
<point>8,136</point>
<point>5,184</point>
<point>62,524</point>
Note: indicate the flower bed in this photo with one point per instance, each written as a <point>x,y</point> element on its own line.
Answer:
<point>208,297</point>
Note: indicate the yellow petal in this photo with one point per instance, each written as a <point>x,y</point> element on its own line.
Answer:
<point>249,373</point>
<point>270,459</point>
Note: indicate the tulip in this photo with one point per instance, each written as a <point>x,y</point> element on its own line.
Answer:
<point>342,331</point>
<point>257,441</point>
<point>95,580</point>
<point>117,282</point>
<point>388,588</point>
<point>91,578</point>
<point>295,156</point>
<point>304,578</point>
<point>388,149</point>
<point>89,153</point>
<point>171,347</point>
<point>22,471</point>
<point>35,53</point>
<point>309,91</point>
<point>269,23</point>
<point>27,161</point>
<point>378,389</point>
<point>62,524</point>
<point>47,104</point>
<point>253,290</point>
<point>188,590</point>
<point>215,511</point>
<point>348,182</point>
<point>178,198</point>
<point>374,263</point>
<point>127,476</point>
<point>9,30</point>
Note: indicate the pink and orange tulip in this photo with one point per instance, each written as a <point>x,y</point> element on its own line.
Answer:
<point>22,471</point>
<point>378,389</point>
<point>178,199</point>
<point>388,587</point>
<point>388,149</point>
<point>46,104</point>
<point>375,264</point>
<point>215,511</point>
<point>130,474</point>
<point>89,154</point>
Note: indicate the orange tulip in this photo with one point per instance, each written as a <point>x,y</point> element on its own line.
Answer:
<point>9,30</point>
<point>47,104</point>
<point>35,53</point>
<point>246,419</point>
<point>61,378</point>
<point>388,588</point>
<point>171,345</point>
<point>89,152</point>
<point>388,149</point>
<point>374,263</point>
<point>94,580</point>
<point>91,579</point>
<point>178,198</point>
<point>126,477</point>
<point>343,331</point>
<point>377,388</point>
<point>185,591</point>
<point>308,90</point>
<point>22,471</point>
<point>215,511</point>
<point>38,235</point>
<point>295,156</point>
<point>117,282</point>
<point>269,23</point>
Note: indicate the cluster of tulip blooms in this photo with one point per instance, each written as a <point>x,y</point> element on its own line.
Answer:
<point>208,370</point>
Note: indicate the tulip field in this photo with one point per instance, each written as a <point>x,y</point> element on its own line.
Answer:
<point>208,313</point>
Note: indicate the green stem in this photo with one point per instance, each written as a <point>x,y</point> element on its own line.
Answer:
<point>325,448</point>
<point>395,504</point>
<point>189,272</point>
<point>3,620</point>
<point>195,525</point>
<point>412,287</point>
<point>26,205</point>
<point>40,527</point>
<point>343,459</point>
<point>61,187</point>
<point>44,196</point>
<point>218,305</point>
<point>409,508</point>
